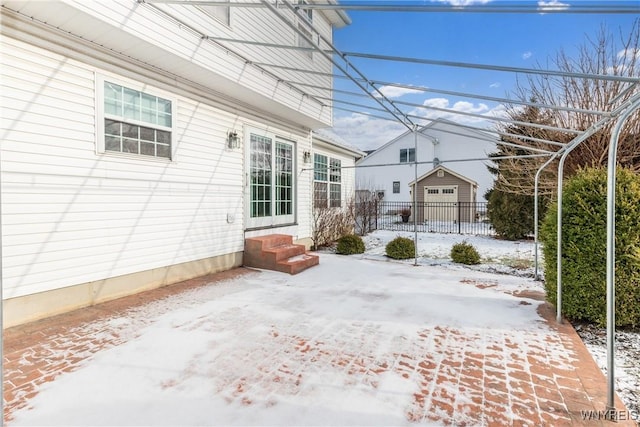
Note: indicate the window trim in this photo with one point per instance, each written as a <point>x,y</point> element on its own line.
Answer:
<point>100,145</point>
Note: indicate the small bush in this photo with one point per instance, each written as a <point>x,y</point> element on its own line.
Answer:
<point>465,253</point>
<point>350,244</point>
<point>400,248</point>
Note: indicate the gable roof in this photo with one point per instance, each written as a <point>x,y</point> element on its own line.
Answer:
<point>449,171</point>
<point>327,141</point>
<point>433,125</point>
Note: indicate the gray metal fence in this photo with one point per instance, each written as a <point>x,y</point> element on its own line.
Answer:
<point>459,217</point>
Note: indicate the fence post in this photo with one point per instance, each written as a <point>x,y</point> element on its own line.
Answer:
<point>459,219</point>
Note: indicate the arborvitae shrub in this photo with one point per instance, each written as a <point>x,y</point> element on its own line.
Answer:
<point>465,253</point>
<point>400,248</point>
<point>584,248</point>
<point>511,215</point>
<point>350,244</point>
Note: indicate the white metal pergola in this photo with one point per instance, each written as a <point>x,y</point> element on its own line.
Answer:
<point>375,104</point>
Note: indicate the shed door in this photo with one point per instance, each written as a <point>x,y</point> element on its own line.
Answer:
<point>441,203</point>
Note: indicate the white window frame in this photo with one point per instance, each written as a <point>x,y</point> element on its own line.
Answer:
<point>274,219</point>
<point>139,87</point>
<point>331,176</point>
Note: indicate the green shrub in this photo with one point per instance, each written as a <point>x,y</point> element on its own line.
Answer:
<point>350,244</point>
<point>400,248</point>
<point>465,253</point>
<point>584,248</point>
<point>512,215</point>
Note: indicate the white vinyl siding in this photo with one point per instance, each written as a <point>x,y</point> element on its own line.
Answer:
<point>71,215</point>
<point>189,51</point>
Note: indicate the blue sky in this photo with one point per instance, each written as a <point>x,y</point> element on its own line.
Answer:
<point>527,40</point>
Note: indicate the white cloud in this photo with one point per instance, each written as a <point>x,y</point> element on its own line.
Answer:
<point>495,85</point>
<point>456,111</point>
<point>368,133</point>
<point>627,58</point>
<point>552,5</point>
<point>394,91</point>
<point>629,54</point>
<point>528,54</point>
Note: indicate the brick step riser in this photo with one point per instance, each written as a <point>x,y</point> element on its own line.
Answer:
<point>285,252</point>
<point>298,265</point>
<point>267,242</point>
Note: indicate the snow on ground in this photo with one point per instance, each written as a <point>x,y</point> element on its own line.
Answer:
<point>212,355</point>
<point>518,258</point>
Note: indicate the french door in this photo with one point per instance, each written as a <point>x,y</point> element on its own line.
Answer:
<point>271,181</point>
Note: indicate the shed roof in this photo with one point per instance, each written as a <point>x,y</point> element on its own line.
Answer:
<point>449,171</point>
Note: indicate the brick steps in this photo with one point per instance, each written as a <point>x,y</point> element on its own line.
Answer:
<point>277,252</point>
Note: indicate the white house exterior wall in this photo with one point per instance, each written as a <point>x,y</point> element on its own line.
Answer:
<point>74,216</point>
<point>170,37</point>
<point>451,146</point>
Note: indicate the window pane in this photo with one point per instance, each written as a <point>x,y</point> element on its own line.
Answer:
<point>147,149</point>
<point>149,102</point>
<point>148,116</point>
<point>403,155</point>
<point>164,119</point>
<point>130,131</point>
<point>163,137</point>
<point>112,144</point>
<point>164,106</point>
<point>147,134</point>
<point>112,91</point>
<point>129,146</point>
<point>112,128</point>
<point>113,107</point>
<point>163,151</point>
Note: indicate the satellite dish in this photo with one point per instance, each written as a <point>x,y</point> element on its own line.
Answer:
<point>436,162</point>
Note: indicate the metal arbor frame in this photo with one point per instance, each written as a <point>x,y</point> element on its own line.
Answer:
<point>391,110</point>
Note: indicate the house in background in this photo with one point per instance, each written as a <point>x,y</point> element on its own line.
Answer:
<point>444,195</point>
<point>137,151</point>
<point>390,169</point>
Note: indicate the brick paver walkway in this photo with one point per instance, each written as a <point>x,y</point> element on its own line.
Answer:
<point>486,377</point>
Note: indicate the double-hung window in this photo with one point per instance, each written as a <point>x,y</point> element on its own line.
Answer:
<point>407,155</point>
<point>136,122</point>
<point>327,182</point>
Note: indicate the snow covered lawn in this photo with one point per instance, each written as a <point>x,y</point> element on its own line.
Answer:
<point>357,340</point>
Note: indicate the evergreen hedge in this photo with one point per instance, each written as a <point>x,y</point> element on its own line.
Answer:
<point>584,248</point>
<point>511,215</point>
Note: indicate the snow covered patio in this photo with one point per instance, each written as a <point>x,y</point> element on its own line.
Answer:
<point>353,341</point>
